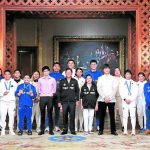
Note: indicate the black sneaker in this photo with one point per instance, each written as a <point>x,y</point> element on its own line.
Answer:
<point>114,133</point>
<point>29,132</point>
<point>64,132</point>
<point>73,133</point>
<point>20,133</point>
<point>100,133</point>
<point>41,133</point>
<point>51,132</point>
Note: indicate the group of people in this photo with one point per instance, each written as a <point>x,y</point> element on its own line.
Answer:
<point>80,96</point>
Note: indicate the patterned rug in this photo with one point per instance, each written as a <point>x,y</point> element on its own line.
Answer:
<point>78,142</point>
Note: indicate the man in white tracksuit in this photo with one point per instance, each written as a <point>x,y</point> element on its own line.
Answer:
<point>118,106</point>
<point>141,102</point>
<point>128,90</point>
<point>8,101</point>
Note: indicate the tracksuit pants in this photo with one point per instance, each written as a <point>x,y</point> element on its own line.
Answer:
<point>78,117</point>
<point>88,115</point>
<point>69,108</point>
<point>129,108</point>
<point>36,113</point>
<point>148,116</point>
<point>141,112</point>
<point>118,106</point>
<point>10,108</point>
<point>25,111</point>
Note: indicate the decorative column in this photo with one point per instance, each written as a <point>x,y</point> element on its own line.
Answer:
<point>2,38</point>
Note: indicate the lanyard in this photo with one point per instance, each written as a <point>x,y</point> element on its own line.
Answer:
<point>26,88</point>
<point>129,87</point>
<point>7,87</point>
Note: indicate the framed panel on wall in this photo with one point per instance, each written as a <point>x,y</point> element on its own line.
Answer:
<point>104,49</point>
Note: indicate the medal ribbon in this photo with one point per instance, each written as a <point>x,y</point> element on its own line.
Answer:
<point>7,87</point>
<point>129,87</point>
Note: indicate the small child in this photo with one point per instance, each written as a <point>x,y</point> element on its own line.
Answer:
<point>88,97</point>
<point>26,92</point>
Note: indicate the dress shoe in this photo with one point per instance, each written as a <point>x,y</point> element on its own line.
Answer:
<point>73,133</point>
<point>64,132</point>
<point>100,133</point>
<point>41,133</point>
<point>114,133</point>
<point>51,132</point>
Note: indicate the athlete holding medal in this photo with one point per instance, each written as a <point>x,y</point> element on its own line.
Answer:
<point>128,91</point>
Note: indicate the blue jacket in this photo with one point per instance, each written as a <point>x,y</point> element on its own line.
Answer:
<point>57,76</point>
<point>95,75</point>
<point>147,92</point>
<point>25,99</point>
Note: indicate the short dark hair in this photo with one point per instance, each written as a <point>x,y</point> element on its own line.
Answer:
<point>56,63</point>
<point>70,60</point>
<point>17,70</point>
<point>68,69</point>
<point>106,66</point>
<point>45,68</point>
<point>93,61</point>
<point>27,75</point>
<point>141,73</point>
<point>79,69</point>
<point>7,70</point>
<point>128,71</point>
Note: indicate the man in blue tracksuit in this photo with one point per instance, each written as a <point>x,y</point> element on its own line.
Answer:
<point>26,93</point>
<point>147,99</point>
<point>95,74</point>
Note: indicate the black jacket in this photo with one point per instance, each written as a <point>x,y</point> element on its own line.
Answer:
<point>68,92</point>
<point>89,97</point>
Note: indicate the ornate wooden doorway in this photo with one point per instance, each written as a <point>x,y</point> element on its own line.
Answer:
<point>138,31</point>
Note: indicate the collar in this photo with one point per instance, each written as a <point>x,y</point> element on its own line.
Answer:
<point>17,80</point>
<point>47,77</point>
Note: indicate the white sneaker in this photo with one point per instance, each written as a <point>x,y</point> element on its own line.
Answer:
<point>11,132</point>
<point>47,129</point>
<point>125,133</point>
<point>57,129</point>
<point>3,133</point>
<point>133,133</point>
<point>38,130</point>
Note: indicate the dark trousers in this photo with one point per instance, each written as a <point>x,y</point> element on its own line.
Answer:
<point>69,107</point>
<point>46,101</point>
<point>102,112</point>
<point>57,111</point>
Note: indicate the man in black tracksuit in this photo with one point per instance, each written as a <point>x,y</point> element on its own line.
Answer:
<point>68,98</point>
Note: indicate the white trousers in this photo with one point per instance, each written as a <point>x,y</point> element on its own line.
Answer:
<point>118,106</point>
<point>88,115</point>
<point>129,108</point>
<point>36,113</point>
<point>141,113</point>
<point>78,117</point>
<point>10,108</point>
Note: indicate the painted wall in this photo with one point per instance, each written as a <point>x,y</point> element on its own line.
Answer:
<point>34,32</point>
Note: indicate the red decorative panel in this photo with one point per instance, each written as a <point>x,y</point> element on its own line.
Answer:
<point>140,36</point>
<point>145,36</point>
<point>10,46</point>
